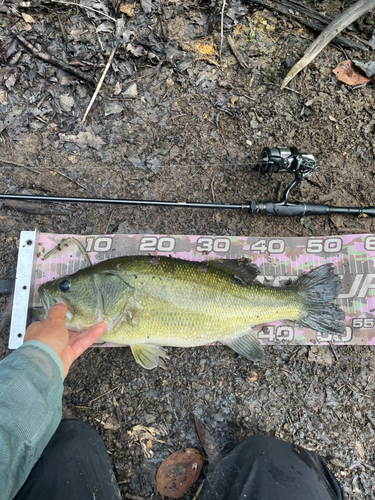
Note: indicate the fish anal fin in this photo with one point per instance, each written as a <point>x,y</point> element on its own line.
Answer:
<point>148,355</point>
<point>247,346</point>
<point>242,269</point>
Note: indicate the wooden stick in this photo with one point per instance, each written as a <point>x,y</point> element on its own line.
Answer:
<point>341,22</point>
<point>222,29</point>
<point>99,86</point>
<point>52,60</point>
<point>286,8</point>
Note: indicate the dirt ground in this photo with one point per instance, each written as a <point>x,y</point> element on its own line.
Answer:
<point>174,122</point>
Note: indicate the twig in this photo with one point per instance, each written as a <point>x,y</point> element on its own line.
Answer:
<point>7,138</point>
<point>69,178</point>
<point>341,22</point>
<point>52,60</point>
<point>222,29</point>
<point>63,32</point>
<point>293,231</point>
<point>84,7</point>
<point>41,119</point>
<point>100,83</point>
<point>18,165</point>
<point>104,394</point>
<point>212,189</point>
<point>109,221</point>
<point>236,52</point>
<point>14,208</point>
<point>8,162</point>
<point>197,493</point>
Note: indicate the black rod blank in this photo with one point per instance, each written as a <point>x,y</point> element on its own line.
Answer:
<point>148,203</point>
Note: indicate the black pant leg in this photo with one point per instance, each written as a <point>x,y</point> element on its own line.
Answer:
<point>73,466</point>
<point>264,468</point>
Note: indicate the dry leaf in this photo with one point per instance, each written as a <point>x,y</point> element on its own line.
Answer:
<point>332,118</point>
<point>368,67</point>
<point>178,473</point>
<point>128,9</point>
<point>84,140</point>
<point>209,444</point>
<point>360,450</point>
<point>27,18</point>
<point>347,73</point>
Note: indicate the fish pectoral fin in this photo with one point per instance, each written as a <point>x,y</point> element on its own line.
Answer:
<point>248,346</point>
<point>148,355</point>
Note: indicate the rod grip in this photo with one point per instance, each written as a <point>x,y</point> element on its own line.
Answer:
<point>302,209</point>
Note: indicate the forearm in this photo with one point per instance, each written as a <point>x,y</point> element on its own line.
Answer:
<point>31,387</point>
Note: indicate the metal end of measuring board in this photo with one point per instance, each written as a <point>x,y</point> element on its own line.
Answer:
<point>22,288</point>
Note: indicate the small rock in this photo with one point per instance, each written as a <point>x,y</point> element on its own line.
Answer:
<point>321,355</point>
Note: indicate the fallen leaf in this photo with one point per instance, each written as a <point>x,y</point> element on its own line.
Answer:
<point>178,473</point>
<point>145,436</point>
<point>83,140</point>
<point>347,73</point>
<point>131,92</point>
<point>113,108</point>
<point>118,88</point>
<point>10,81</point>
<point>332,118</point>
<point>128,9</point>
<point>146,6</point>
<point>209,444</point>
<point>27,18</point>
<point>368,67</point>
<point>360,450</point>
<point>3,97</point>
<point>310,102</point>
<point>66,102</point>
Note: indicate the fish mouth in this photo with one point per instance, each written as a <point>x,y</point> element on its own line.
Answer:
<point>47,301</point>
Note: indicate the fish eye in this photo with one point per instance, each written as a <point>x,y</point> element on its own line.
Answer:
<point>64,285</point>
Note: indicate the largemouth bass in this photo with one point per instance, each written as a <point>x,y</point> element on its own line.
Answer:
<point>149,302</point>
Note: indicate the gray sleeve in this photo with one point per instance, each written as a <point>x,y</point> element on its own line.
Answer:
<point>31,388</point>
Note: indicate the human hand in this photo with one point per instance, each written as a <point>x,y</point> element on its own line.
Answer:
<point>67,345</point>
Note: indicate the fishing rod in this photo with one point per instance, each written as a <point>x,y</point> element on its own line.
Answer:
<point>273,160</point>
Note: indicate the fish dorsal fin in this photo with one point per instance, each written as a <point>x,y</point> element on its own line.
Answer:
<point>243,268</point>
<point>148,355</point>
<point>248,346</point>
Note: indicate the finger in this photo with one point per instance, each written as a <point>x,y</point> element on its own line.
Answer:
<point>89,337</point>
<point>57,312</point>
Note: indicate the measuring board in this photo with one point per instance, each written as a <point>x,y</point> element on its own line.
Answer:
<point>279,260</point>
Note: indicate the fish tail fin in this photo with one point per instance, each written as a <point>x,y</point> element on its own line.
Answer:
<point>318,288</point>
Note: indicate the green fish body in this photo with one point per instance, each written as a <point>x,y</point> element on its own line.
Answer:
<point>149,302</point>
